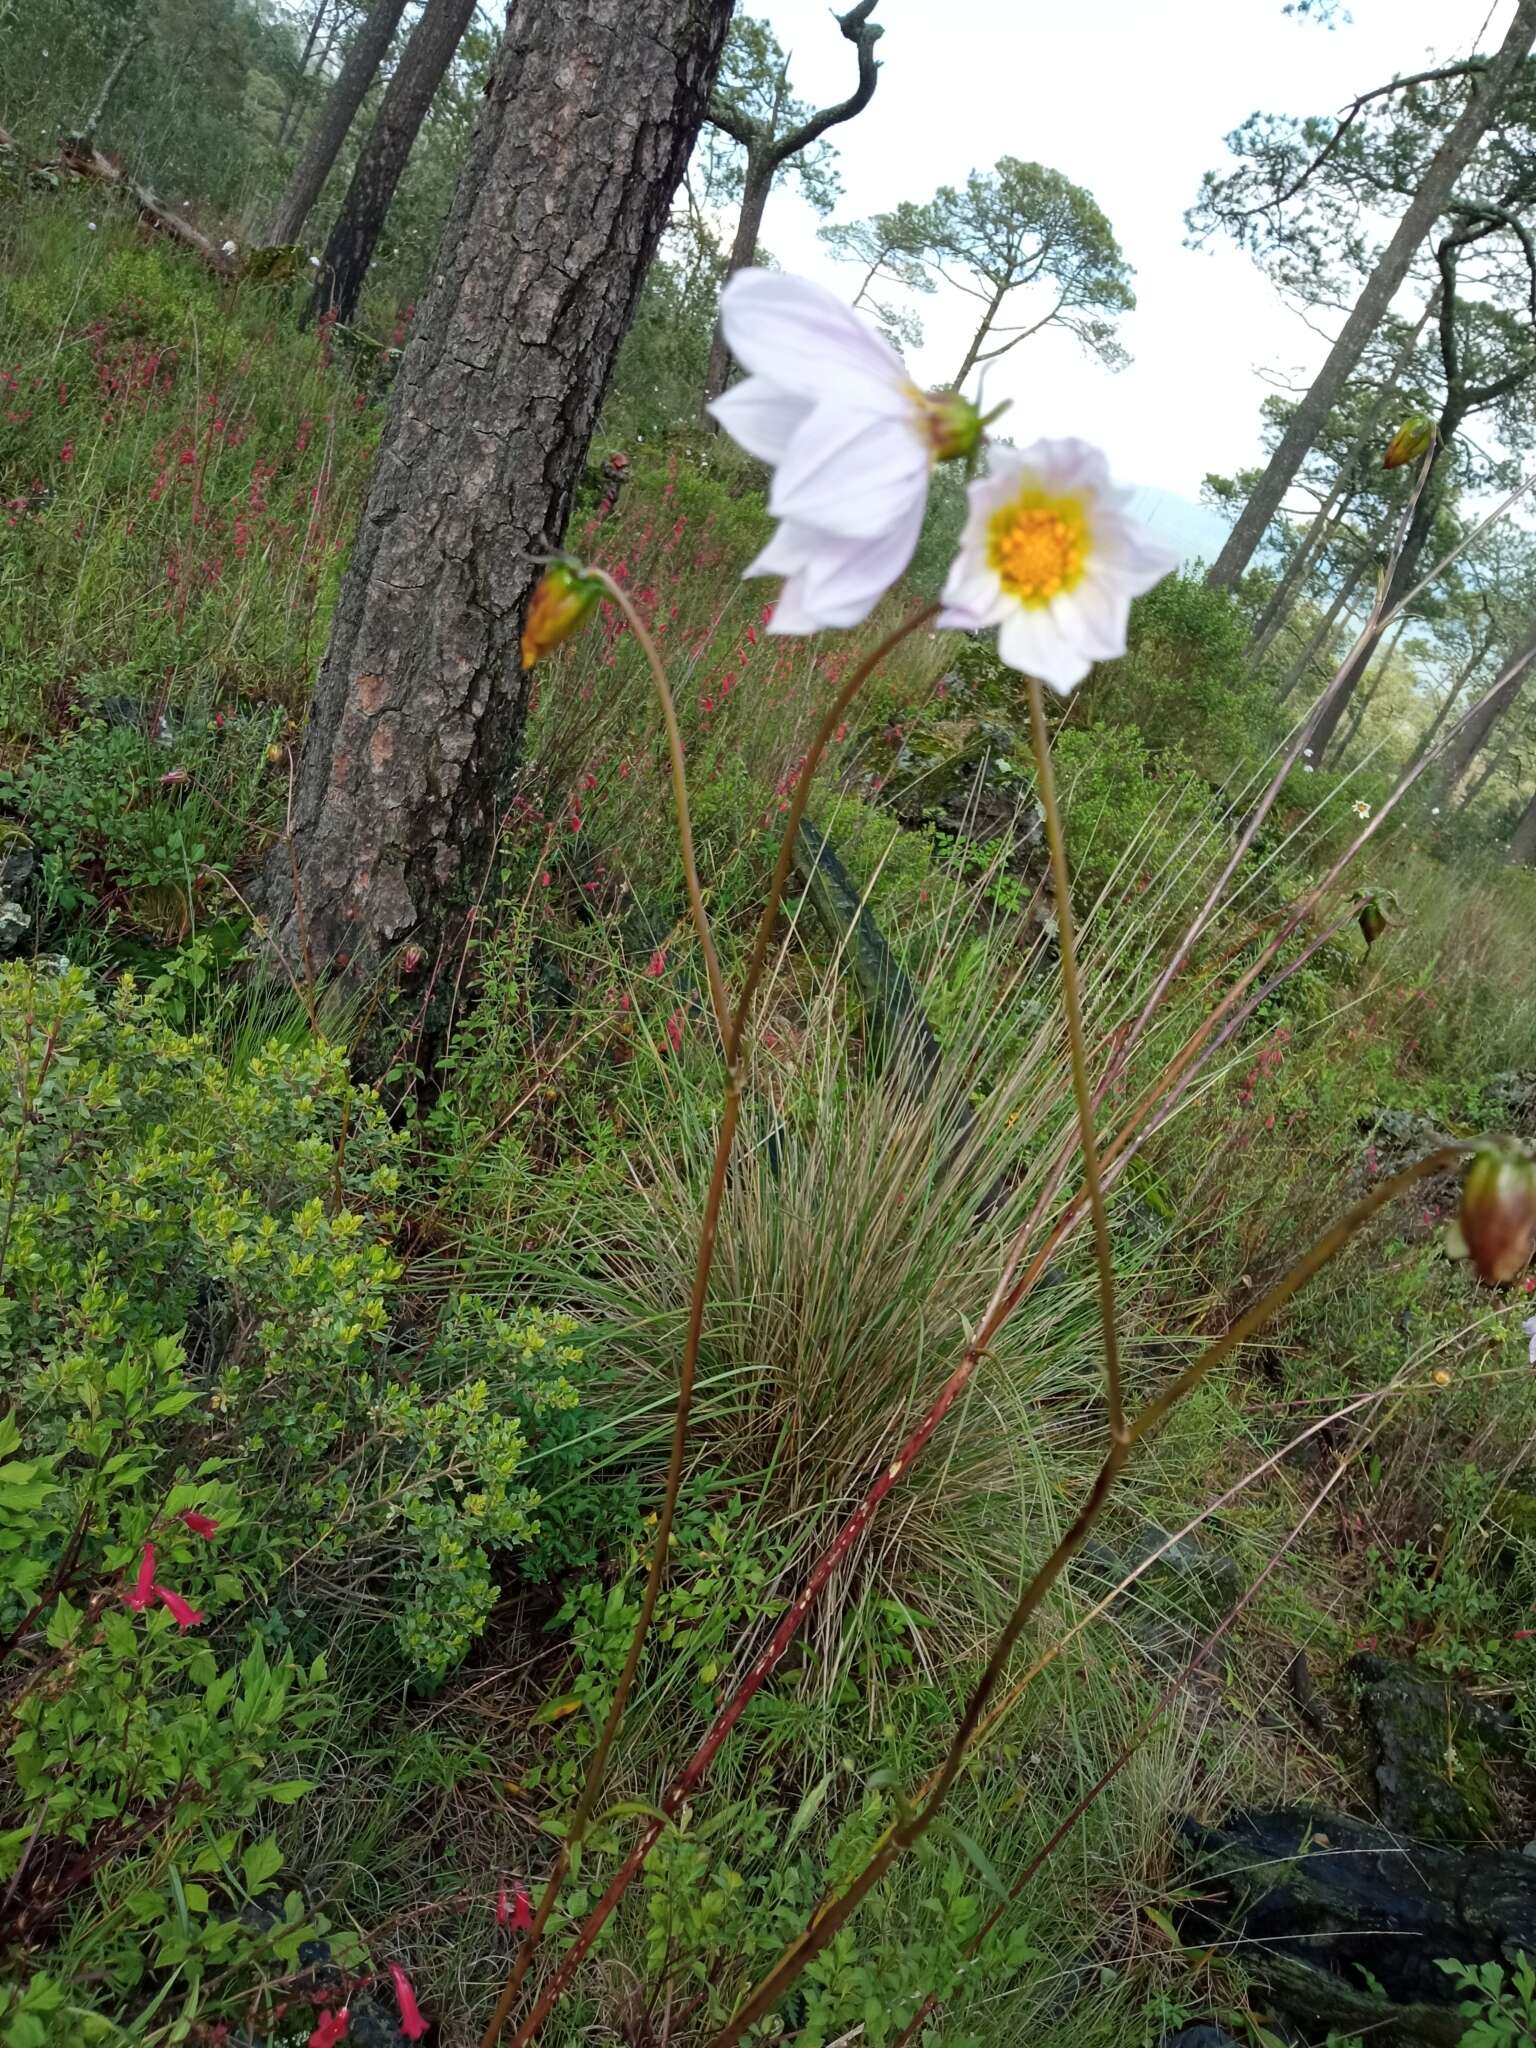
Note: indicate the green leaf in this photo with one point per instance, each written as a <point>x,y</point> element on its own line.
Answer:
<point>808,1809</point>
<point>261,1861</point>
<point>288,1790</point>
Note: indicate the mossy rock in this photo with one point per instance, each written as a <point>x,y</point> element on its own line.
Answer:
<point>1434,1753</point>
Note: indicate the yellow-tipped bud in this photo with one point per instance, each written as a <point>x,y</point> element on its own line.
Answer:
<point>1413,438</point>
<point>954,426</point>
<point>1498,1211</point>
<point>561,600</point>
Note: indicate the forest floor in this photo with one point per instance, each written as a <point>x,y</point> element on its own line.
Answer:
<point>383,1366</point>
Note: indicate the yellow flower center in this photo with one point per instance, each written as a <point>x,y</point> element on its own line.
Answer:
<point>1038,546</point>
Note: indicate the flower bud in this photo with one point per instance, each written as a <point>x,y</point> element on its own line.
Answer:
<point>1412,439</point>
<point>954,425</point>
<point>1372,922</point>
<point>561,600</point>
<point>1498,1211</point>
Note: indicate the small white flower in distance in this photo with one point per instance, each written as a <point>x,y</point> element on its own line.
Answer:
<point>1434,810</point>
<point>1051,556</point>
<point>851,440</point>
<point>1307,768</point>
<point>230,248</point>
<point>1529,1327</point>
<point>91,226</point>
<point>1308,752</point>
<point>1360,808</point>
<point>314,262</point>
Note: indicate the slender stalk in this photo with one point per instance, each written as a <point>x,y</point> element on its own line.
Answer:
<point>733,1034</point>
<point>675,755</point>
<point>1072,1009</point>
<point>835,1914</point>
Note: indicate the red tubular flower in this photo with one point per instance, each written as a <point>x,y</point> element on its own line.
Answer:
<point>186,1617</point>
<point>200,1525</point>
<point>503,1908</point>
<point>412,2025</point>
<point>330,2028</point>
<point>144,1586</point>
<point>522,1908</point>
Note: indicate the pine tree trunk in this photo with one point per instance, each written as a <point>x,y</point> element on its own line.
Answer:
<point>749,227</point>
<point>1478,727</point>
<point>290,112</point>
<point>1326,624</point>
<point>1369,692</point>
<point>1425,208</point>
<point>1452,699</point>
<point>1404,575</point>
<point>423,65</point>
<point>358,71</point>
<point>1324,524</point>
<point>974,351</point>
<point>418,710</point>
<point>1522,841</point>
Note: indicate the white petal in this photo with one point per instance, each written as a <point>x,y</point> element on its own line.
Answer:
<point>1066,465</point>
<point>972,596</point>
<point>846,579</point>
<point>760,417</point>
<point>1129,553</point>
<point>1094,615</point>
<point>851,472</point>
<point>788,550</point>
<point>791,614</point>
<point>1032,641</point>
<point>806,341</point>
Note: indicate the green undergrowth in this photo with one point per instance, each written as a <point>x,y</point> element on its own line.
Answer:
<point>384,1375</point>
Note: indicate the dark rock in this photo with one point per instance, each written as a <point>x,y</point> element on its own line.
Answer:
<point>1201,2037</point>
<point>965,775</point>
<point>1347,1923</point>
<point>1512,1100</point>
<point>1431,1750</point>
<point>373,2025</point>
<point>17,869</point>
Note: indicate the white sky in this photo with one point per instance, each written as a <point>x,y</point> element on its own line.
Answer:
<point>1130,98</point>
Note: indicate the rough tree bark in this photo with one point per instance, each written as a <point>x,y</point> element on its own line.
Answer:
<point>423,65</point>
<point>767,156</point>
<point>591,112</point>
<point>1428,203</point>
<point>358,71</point>
<point>1522,841</point>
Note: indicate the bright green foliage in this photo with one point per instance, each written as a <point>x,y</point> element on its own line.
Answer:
<point>1501,2007</point>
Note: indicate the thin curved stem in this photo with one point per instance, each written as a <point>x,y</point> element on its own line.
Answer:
<point>834,1915</point>
<point>733,1027</point>
<point>641,631</point>
<point>758,959</point>
<point>1082,1089</point>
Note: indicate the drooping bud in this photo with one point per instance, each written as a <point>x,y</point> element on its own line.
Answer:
<point>954,426</point>
<point>1412,439</point>
<point>1372,922</point>
<point>561,600</point>
<point>1498,1210</point>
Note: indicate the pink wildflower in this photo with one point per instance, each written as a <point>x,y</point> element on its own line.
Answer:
<point>144,1587</point>
<point>200,1525</point>
<point>675,1031</point>
<point>186,1617</point>
<point>331,2028</point>
<point>522,1908</point>
<point>656,964</point>
<point>412,2025</point>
